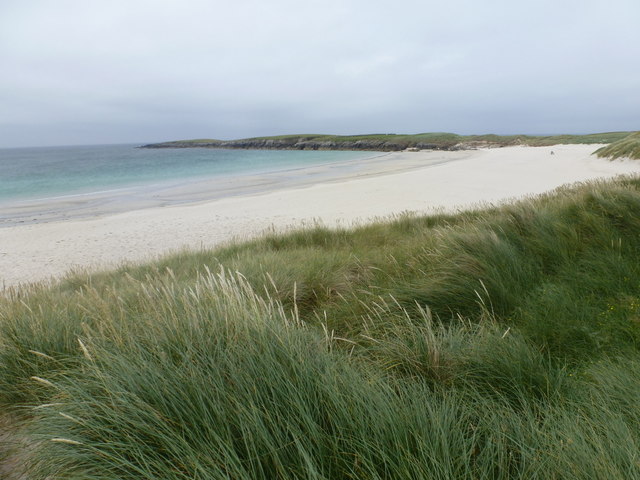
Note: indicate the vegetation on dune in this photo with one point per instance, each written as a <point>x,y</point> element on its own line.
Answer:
<point>391,141</point>
<point>500,343</point>
<point>628,147</point>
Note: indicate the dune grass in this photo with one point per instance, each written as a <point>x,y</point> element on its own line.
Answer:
<point>628,147</point>
<point>499,343</point>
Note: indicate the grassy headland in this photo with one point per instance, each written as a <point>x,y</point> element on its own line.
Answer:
<point>390,142</point>
<point>502,343</point>
<point>627,147</point>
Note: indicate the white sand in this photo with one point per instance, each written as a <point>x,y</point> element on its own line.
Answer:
<point>41,251</point>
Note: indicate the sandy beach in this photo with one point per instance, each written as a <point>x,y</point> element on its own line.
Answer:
<point>418,182</point>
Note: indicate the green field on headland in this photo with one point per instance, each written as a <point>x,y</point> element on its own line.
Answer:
<point>501,343</point>
<point>391,142</point>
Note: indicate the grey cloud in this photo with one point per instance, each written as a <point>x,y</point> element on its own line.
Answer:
<point>142,70</point>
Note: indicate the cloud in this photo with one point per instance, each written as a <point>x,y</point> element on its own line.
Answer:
<point>79,72</point>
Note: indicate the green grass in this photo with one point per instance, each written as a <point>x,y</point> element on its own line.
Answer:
<point>500,343</point>
<point>627,147</point>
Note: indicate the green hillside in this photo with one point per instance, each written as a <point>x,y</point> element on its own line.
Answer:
<point>390,142</point>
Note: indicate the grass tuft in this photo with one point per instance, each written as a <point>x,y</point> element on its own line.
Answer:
<point>627,147</point>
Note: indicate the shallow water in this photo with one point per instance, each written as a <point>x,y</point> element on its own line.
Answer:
<point>40,173</point>
<point>46,184</point>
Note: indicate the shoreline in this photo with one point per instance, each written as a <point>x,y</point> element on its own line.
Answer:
<point>41,251</point>
<point>191,191</point>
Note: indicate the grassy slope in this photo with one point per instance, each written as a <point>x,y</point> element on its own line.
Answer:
<point>452,138</point>
<point>627,147</point>
<point>458,346</point>
<point>440,139</point>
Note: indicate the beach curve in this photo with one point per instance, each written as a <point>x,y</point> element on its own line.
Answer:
<point>418,183</point>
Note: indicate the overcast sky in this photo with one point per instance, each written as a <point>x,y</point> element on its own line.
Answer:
<point>121,71</point>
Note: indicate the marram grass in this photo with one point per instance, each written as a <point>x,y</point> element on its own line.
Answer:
<point>500,343</point>
<point>627,147</point>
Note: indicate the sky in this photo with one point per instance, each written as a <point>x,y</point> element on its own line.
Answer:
<point>139,71</point>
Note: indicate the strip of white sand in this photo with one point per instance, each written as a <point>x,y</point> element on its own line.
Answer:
<point>42,251</point>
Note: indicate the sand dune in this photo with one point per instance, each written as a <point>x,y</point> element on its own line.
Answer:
<point>398,182</point>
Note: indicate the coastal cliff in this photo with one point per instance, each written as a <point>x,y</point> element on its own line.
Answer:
<point>309,143</point>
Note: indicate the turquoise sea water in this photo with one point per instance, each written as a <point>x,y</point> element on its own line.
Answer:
<point>40,173</point>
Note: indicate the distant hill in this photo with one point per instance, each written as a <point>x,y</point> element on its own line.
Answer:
<point>390,142</point>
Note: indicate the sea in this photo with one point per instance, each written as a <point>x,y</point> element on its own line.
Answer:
<point>50,183</point>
